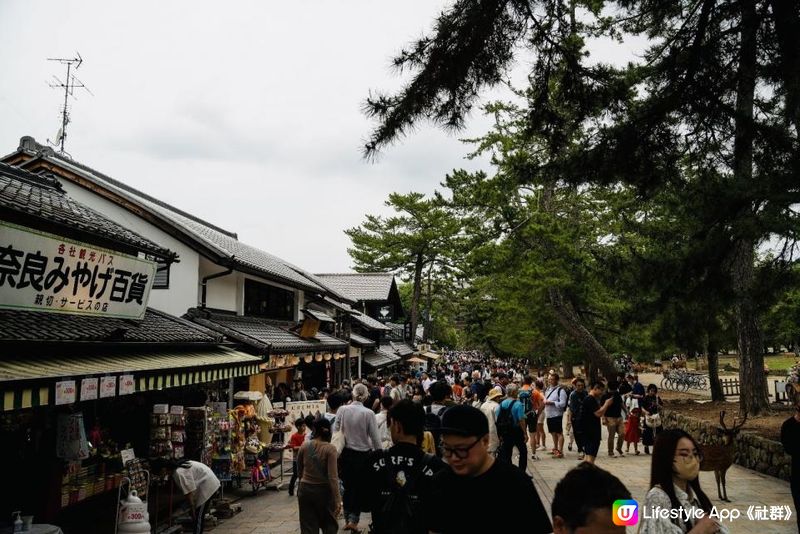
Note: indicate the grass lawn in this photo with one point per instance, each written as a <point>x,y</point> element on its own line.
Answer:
<point>776,362</point>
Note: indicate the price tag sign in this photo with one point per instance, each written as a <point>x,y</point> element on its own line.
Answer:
<point>127,455</point>
<point>65,392</point>
<point>89,389</point>
<point>108,386</point>
<point>126,385</point>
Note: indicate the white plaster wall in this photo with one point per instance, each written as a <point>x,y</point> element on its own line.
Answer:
<point>222,292</point>
<point>183,277</point>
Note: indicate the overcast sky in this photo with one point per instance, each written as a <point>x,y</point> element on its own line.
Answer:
<point>246,114</point>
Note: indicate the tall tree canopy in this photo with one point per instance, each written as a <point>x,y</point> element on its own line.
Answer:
<point>711,112</point>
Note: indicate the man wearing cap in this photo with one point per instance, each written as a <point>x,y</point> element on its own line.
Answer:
<point>489,409</point>
<point>475,482</point>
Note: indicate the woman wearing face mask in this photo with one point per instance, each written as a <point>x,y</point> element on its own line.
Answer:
<point>675,490</point>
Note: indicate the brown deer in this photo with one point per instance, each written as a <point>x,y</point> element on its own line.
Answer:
<point>719,458</point>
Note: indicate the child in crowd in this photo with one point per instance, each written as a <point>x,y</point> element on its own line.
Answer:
<point>295,441</point>
<point>632,433</point>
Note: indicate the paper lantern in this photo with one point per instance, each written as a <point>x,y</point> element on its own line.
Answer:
<point>280,361</point>
<point>318,357</point>
<point>327,356</point>
<point>308,358</point>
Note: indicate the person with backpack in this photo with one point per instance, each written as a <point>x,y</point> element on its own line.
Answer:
<point>489,409</point>
<point>398,482</point>
<point>512,428</point>
<point>439,392</point>
<point>555,403</point>
<point>527,398</point>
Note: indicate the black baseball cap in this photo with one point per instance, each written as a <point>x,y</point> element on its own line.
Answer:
<point>464,420</point>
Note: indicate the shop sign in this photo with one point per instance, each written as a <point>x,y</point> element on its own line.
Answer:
<point>65,392</point>
<point>45,272</point>
<point>89,389</point>
<point>108,386</point>
<point>126,385</point>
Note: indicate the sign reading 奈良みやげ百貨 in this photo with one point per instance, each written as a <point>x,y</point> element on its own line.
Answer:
<point>45,272</point>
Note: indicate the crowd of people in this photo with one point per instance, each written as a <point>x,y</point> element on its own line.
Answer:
<point>434,450</point>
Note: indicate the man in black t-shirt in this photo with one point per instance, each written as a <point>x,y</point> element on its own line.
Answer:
<point>613,417</point>
<point>398,480</point>
<point>475,491</point>
<point>591,414</point>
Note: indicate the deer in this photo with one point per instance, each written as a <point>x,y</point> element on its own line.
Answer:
<point>719,458</point>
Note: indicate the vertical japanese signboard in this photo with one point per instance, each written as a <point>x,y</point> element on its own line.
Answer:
<point>44,272</point>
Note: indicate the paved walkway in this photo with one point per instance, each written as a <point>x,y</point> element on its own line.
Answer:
<point>274,512</point>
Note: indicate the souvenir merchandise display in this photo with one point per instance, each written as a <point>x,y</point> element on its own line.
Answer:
<point>167,434</point>
<point>219,433</point>
<point>99,472</point>
<point>280,439</point>
<point>199,439</point>
<point>137,473</point>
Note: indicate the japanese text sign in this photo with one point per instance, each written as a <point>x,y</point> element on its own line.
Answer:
<point>65,392</point>
<point>108,386</point>
<point>43,272</point>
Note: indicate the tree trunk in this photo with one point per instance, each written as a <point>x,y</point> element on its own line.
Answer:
<point>599,360</point>
<point>418,264</point>
<point>426,331</point>
<point>713,376</point>
<point>753,382</point>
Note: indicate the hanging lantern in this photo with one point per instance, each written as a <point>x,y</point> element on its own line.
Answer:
<point>294,360</point>
<point>318,357</point>
<point>308,358</point>
<point>337,356</point>
<point>327,356</point>
<point>280,361</point>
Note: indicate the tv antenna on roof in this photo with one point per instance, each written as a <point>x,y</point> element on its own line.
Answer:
<point>69,85</point>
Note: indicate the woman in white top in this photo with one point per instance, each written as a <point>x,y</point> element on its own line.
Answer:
<point>197,482</point>
<point>383,426</point>
<point>675,503</point>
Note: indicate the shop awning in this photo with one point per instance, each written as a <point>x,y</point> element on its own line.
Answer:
<point>361,341</point>
<point>380,359</point>
<point>30,382</point>
<point>431,355</point>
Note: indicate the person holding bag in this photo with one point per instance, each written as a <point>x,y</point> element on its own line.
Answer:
<point>318,495</point>
<point>651,405</point>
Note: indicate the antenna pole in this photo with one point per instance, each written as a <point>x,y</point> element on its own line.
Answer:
<point>64,111</point>
<point>69,85</point>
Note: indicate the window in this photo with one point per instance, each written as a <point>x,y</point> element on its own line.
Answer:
<point>161,279</point>
<point>268,301</point>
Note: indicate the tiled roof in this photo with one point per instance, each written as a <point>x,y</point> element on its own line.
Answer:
<point>319,316</point>
<point>370,323</point>
<point>41,198</point>
<point>361,341</point>
<point>222,243</point>
<point>380,358</point>
<point>361,286</point>
<point>263,334</point>
<point>402,349</point>
<point>156,327</point>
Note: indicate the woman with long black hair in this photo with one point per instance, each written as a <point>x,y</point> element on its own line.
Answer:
<point>675,503</point>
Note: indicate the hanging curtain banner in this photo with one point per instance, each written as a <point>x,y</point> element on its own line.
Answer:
<point>71,441</point>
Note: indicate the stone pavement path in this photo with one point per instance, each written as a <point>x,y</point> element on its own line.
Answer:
<point>274,512</point>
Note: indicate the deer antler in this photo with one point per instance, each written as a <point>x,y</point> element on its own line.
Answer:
<point>722,420</point>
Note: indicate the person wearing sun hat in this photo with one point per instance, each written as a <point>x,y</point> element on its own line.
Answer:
<point>489,409</point>
<point>474,480</point>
